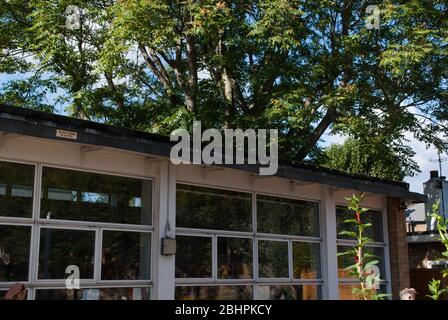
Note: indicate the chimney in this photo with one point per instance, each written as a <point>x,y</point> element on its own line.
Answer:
<point>434,174</point>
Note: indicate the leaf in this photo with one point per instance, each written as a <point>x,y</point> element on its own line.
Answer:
<point>371,263</point>
<point>348,233</point>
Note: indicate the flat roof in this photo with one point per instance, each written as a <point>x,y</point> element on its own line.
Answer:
<point>44,125</point>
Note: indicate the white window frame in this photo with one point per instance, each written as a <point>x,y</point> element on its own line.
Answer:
<point>37,223</point>
<point>255,236</point>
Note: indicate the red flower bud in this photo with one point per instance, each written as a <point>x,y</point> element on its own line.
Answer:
<point>358,217</point>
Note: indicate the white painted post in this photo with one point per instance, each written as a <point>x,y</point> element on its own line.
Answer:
<point>165,210</point>
<point>329,250</point>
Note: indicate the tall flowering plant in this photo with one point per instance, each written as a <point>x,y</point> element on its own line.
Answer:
<point>435,286</point>
<point>364,263</point>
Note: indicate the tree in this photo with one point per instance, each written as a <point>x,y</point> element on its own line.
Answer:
<point>381,160</point>
<point>302,67</point>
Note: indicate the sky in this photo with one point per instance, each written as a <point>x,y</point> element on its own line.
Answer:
<point>424,157</point>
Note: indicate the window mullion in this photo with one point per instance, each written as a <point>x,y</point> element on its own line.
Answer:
<point>215,257</point>
<point>98,254</point>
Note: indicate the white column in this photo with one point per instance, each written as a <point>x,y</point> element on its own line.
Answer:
<point>329,250</point>
<point>165,211</point>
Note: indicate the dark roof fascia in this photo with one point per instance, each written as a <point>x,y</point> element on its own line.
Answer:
<point>44,125</point>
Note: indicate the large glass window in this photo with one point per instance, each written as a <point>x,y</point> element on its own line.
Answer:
<point>194,257</point>
<point>287,216</point>
<point>99,223</point>
<point>273,259</point>
<point>86,196</point>
<point>14,253</point>
<point>375,232</point>
<point>289,292</point>
<point>306,260</point>
<point>234,258</point>
<point>94,294</point>
<point>126,255</point>
<point>346,290</point>
<point>60,248</point>
<point>207,208</point>
<point>214,293</point>
<point>345,261</point>
<point>219,243</point>
<point>16,189</point>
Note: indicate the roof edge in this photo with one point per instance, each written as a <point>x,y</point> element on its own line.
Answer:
<point>44,125</point>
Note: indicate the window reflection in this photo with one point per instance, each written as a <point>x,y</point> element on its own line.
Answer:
<point>289,292</point>
<point>86,196</point>
<point>206,208</point>
<point>234,258</point>
<point>346,291</point>
<point>306,260</point>
<point>94,294</point>
<point>60,248</point>
<point>345,261</point>
<point>126,255</point>
<point>14,252</point>
<point>194,257</point>
<point>287,216</point>
<point>16,189</point>
<point>375,232</point>
<point>214,293</point>
<point>273,259</point>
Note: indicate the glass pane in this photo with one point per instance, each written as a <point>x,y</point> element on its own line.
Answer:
<point>206,208</point>
<point>273,259</point>
<point>234,258</point>
<point>288,292</point>
<point>214,293</point>
<point>374,217</point>
<point>346,261</point>
<point>306,260</point>
<point>94,294</point>
<point>125,294</point>
<point>287,216</point>
<point>60,248</point>
<point>346,291</point>
<point>14,253</point>
<point>193,257</point>
<point>16,189</point>
<point>126,256</point>
<point>86,196</point>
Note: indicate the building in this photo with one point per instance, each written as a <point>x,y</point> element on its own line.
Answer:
<point>425,248</point>
<point>109,201</point>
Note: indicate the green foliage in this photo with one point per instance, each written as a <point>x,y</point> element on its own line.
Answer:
<point>363,261</point>
<point>366,157</point>
<point>435,289</point>
<point>441,225</point>
<point>302,67</point>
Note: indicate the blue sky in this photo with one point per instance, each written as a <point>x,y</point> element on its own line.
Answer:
<point>423,155</point>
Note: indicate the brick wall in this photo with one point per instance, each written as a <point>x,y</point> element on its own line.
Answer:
<point>398,248</point>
